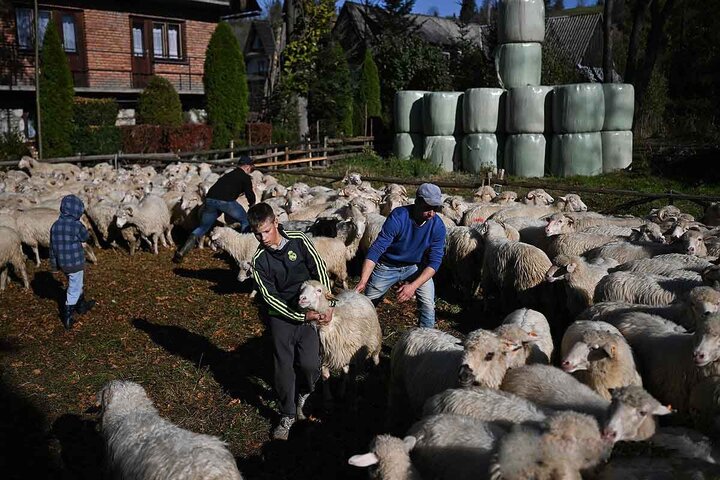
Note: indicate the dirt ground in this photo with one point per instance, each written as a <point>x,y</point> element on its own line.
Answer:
<point>192,337</point>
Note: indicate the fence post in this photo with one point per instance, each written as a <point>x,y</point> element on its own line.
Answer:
<point>287,157</point>
<point>325,152</point>
<point>274,158</point>
<point>232,149</point>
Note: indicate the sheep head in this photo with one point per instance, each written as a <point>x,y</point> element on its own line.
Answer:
<point>352,178</point>
<point>703,302</point>
<point>245,272</point>
<point>123,397</point>
<point>578,436</point>
<point>485,194</point>
<point>505,198</point>
<point>515,344</point>
<point>124,215</point>
<point>390,454</point>
<point>594,346</point>
<point>572,203</point>
<point>559,223</point>
<point>707,340</point>
<point>631,407</point>
<point>563,266</point>
<point>649,232</point>
<point>538,197</point>
<point>483,361</point>
<point>314,296</point>
<point>693,243</point>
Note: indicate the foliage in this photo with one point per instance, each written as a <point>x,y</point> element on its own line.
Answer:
<point>407,62</point>
<point>94,111</point>
<point>651,121</point>
<point>12,146</point>
<point>469,66</point>
<point>56,96</point>
<point>283,111</point>
<point>142,138</point>
<point>159,104</point>
<point>158,139</point>
<point>373,164</point>
<point>468,10</point>
<point>301,53</point>
<point>258,133</point>
<point>367,94</point>
<point>556,69</point>
<point>226,89</point>
<point>188,138</point>
<point>96,140</point>
<point>330,94</point>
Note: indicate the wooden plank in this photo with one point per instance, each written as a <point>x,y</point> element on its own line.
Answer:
<point>290,162</point>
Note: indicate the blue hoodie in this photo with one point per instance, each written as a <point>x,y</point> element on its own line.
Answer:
<point>67,235</point>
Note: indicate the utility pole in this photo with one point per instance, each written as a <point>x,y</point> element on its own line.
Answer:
<point>38,127</point>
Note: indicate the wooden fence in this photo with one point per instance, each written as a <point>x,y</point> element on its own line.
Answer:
<point>270,156</point>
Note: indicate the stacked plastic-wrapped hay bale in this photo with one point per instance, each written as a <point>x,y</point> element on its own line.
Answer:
<point>578,117</point>
<point>617,137</point>
<point>483,124</point>
<point>518,61</point>
<point>442,115</point>
<point>409,138</point>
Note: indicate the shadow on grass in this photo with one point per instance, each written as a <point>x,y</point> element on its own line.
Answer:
<point>82,447</point>
<point>225,279</point>
<point>46,286</point>
<point>240,372</point>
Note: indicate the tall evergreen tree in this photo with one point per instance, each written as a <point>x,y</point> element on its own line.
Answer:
<point>558,6</point>
<point>56,96</point>
<point>159,104</point>
<point>468,10</point>
<point>226,89</point>
<point>330,98</point>
<point>367,97</point>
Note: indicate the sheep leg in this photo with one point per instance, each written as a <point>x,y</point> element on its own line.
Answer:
<point>168,236</point>
<point>36,251</point>
<point>162,240</point>
<point>146,239</point>
<point>327,394</point>
<point>3,278</point>
<point>19,267</point>
<point>155,239</point>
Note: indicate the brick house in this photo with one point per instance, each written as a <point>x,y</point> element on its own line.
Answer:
<point>113,47</point>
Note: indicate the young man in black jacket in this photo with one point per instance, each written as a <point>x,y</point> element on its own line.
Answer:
<point>283,261</point>
<point>222,198</point>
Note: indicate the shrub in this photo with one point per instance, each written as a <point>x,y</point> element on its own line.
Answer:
<point>56,97</point>
<point>94,111</point>
<point>367,94</point>
<point>330,97</point>
<point>142,138</point>
<point>226,89</point>
<point>189,138</point>
<point>12,146</point>
<point>159,104</point>
<point>258,133</point>
<point>96,140</point>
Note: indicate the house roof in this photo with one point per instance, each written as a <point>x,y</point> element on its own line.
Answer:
<point>250,29</point>
<point>572,34</point>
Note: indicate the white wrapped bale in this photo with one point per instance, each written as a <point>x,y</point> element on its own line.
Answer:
<point>482,110</point>
<point>480,152</point>
<point>409,111</point>
<point>442,151</point>
<point>442,113</point>
<point>619,106</point>
<point>408,145</point>
<point>525,155</point>
<point>518,64</point>
<point>521,21</point>
<point>577,154</point>
<point>529,109</point>
<point>617,149</point>
<point>578,108</point>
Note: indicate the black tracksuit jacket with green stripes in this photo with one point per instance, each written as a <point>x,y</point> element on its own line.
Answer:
<point>279,274</point>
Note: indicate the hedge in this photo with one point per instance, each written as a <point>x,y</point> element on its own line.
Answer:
<point>158,139</point>
<point>258,133</point>
<point>159,104</point>
<point>97,112</point>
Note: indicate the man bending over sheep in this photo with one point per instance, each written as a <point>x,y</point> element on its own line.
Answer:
<point>283,261</point>
<point>222,198</point>
<point>409,248</point>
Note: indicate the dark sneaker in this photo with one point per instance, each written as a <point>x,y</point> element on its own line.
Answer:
<point>282,431</point>
<point>301,401</point>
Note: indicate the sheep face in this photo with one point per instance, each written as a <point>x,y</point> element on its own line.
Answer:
<point>505,198</point>
<point>485,194</point>
<point>693,243</point>
<point>515,343</point>
<point>594,347</point>
<point>389,457</point>
<point>123,216</point>
<point>246,271</point>
<point>311,295</point>
<point>122,397</point>
<point>650,232</point>
<point>558,224</point>
<point>562,267</point>
<point>352,178</point>
<point>538,197</point>
<point>707,341</point>
<point>703,301</point>
<point>630,408</point>
<point>573,203</point>
<point>483,363</point>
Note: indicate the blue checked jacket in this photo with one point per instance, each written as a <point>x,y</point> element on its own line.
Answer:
<point>67,235</point>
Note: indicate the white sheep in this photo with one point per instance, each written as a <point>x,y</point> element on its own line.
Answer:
<point>141,444</point>
<point>151,217</point>
<point>537,197</point>
<point>568,203</point>
<point>352,336</point>
<point>463,260</point>
<point>33,226</point>
<point>38,168</point>
<point>11,255</point>
<point>580,279</point>
<point>641,288</point>
<point>691,243</point>
<point>535,324</point>
<point>392,457</point>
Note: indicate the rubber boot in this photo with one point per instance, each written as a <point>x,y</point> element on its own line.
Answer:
<point>68,319</point>
<point>83,306</point>
<point>182,251</point>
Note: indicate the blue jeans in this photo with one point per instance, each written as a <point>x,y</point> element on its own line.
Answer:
<point>384,277</point>
<point>75,287</point>
<point>212,210</point>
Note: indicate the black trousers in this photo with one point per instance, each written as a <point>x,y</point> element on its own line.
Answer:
<point>295,346</point>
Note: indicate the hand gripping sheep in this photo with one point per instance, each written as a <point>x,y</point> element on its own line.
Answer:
<point>352,336</point>
<point>142,445</point>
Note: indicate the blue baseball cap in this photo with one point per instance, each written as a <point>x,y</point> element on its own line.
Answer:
<point>430,193</point>
<point>244,160</point>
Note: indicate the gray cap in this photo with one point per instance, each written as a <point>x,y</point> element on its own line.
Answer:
<point>430,193</point>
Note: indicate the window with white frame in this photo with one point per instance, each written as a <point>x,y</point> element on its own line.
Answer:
<point>25,24</point>
<point>167,41</point>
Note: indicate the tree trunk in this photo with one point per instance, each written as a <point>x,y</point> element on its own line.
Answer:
<point>655,45</point>
<point>303,125</point>
<point>634,42</point>
<point>607,42</point>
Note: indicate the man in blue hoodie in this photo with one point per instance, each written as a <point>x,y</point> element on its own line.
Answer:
<point>409,249</point>
<point>67,235</point>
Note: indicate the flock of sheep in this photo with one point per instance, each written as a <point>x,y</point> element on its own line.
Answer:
<point>610,321</point>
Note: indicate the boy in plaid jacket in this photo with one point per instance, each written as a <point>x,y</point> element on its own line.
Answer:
<point>67,235</point>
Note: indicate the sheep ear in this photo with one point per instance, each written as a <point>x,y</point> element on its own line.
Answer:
<point>570,220</point>
<point>329,296</point>
<point>610,350</point>
<point>409,442</point>
<point>530,195</point>
<point>571,267</point>
<point>364,460</point>
<point>662,410</point>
